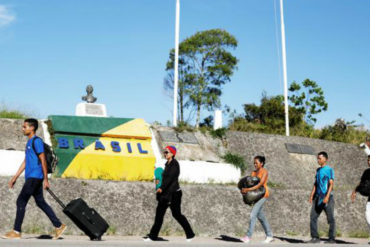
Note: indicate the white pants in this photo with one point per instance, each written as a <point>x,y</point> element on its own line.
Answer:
<point>368,213</point>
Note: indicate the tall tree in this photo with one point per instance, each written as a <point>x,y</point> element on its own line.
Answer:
<point>308,98</point>
<point>205,65</point>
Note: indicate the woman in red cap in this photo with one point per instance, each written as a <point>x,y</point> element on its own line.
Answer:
<point>169,195</point>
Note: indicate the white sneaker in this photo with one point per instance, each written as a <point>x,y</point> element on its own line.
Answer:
<point>268,240</point>
<point>190,239</point>
<point>147,239</point>
<point>246,239</point>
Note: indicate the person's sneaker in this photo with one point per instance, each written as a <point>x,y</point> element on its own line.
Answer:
<point>59,231</point>
<point>331,241</point>
<point>147,239</point>
<point>268,240</point>
<point>190,239</point>
<point>12,235</point>
<point>314,241</point>
<point>246,239</point>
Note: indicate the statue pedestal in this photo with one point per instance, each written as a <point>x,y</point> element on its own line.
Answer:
<point>91,110</point>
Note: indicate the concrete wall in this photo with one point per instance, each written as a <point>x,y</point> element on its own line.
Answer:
<point>296,171</point>
<point>11,134</point>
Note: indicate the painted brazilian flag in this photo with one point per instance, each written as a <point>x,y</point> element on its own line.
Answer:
<point>103,148</point>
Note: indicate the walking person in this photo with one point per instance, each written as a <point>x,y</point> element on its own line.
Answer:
<point>169,195</point>
<point>257,210</point>
<point>322,198</point>
<point>365,177</point>
<point>36,177</point>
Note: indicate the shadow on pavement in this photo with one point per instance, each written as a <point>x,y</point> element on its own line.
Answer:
<point>290,240</point>
<point>44,237</point>
<point>228,239</point>
<point>300,241</point>
<point>338,241</point>
<point>159,239</point>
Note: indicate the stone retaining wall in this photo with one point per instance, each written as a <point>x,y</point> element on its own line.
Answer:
<point>213,210</point>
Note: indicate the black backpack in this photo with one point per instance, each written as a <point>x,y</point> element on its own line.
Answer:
<point>50,156</point>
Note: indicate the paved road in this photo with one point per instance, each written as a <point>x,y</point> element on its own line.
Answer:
<point>77,241</point>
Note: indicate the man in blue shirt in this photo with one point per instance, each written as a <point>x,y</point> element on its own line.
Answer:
<point>35,168</point>
<point>322,198</point>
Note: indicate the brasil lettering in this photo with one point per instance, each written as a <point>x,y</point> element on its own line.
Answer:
<point>78,143</point>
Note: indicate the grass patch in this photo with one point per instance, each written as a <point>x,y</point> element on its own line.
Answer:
<point>236,160</point>
<point>359,234</point>
<point>292,233</point>
<point>5,113</point>
<point>324,233</point>
<point>33,229</point>
<point>275,185</point>
<point>111,230</point>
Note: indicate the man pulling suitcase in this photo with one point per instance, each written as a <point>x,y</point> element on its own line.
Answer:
<point>36,172</point>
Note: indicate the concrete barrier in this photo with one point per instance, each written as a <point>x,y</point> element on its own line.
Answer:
<point>10,162</point>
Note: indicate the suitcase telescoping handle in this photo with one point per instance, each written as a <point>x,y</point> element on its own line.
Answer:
<point>56,198</point>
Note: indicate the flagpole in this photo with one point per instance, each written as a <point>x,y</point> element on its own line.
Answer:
<point>176,68</point>
<point>284,69</point>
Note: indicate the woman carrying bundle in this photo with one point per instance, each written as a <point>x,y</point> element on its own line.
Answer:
<point>257,210</point>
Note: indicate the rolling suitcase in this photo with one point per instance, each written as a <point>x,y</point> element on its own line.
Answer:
<point>86,218</point>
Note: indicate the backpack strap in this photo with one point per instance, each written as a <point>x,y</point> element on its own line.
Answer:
<point>33,147</point>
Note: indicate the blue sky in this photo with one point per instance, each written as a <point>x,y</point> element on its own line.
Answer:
<point>50,51</point>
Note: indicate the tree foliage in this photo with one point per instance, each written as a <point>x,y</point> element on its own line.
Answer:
<point>205,65</point>
<point>308,98</point>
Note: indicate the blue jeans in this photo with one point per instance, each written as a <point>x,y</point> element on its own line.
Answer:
<point>257,213</point>
<point>33,187</point>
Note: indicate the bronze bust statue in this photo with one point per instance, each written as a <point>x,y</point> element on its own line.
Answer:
<point>89,98</point>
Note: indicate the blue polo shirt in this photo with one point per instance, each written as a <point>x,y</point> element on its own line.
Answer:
<point>323,176</point>
<point>33,163</point>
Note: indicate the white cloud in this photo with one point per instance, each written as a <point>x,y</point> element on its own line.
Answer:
<point>6,17</point>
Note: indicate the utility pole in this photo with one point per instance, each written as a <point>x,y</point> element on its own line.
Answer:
<point>284,69</point>
<point>176,69</point>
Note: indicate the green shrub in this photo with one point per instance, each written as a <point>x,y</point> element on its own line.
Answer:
<point>343,131</point>
<point>183,126</point>
<point>218,133</point>
<point>339,131</point>
<point>236,160</point>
